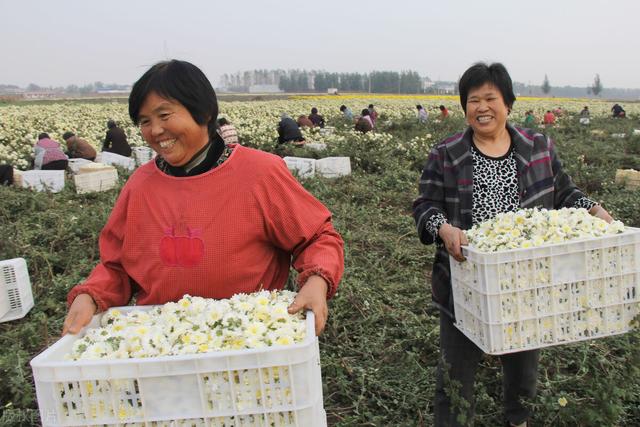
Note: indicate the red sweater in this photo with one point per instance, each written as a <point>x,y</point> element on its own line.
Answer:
<point>233,229</point>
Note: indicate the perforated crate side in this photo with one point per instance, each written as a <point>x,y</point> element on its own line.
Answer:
<point>545,331</point>
<point>15,286</point>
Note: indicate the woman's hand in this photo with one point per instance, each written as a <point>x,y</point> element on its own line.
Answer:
<point>313,296</point>
<point>600,212</point>
<point>453,238</point>
<point>80,313</point>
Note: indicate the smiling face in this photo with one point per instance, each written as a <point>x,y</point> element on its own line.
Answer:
<point>170,130</point>
<point>486,110</point>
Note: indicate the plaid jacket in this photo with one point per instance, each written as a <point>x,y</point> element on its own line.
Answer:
<point>446,186</point>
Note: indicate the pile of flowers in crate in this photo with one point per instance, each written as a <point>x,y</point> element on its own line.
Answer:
<point>195,325</point>
<point>529,228</point>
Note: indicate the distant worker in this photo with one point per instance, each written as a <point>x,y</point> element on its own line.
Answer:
<point>618,111</point>
<point>444,113</point>
<point>78,148</point>
<point>304,122</point>
<point>48,155</point>
<point>373,115</point>
<point>364,124</point>
<point>289,131</point>
<point>585,116</point>
<point>316,118</point>
<point>585,112</point>
<point>227,131</point>
<point>346,112</point>
<point>529,119</point>
<point>549,118</point>
<point>423,115</point>
<point>116,140</point>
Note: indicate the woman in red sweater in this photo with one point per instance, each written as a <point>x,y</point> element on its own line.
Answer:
<point>205,218</point>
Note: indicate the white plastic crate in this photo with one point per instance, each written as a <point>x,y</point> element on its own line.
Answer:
<point>15,289</point>
<point>142,154</point>
<point>76,164</point>
<point>530,298</point>
<point>304,167</point>
<point>117,160</point>
<point>273,386</point>
<point>43,180</point>
<point>96,181</point>
<point>333,167</point>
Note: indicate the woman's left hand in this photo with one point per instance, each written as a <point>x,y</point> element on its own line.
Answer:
<point>600,212</point>
<point>313,296</point>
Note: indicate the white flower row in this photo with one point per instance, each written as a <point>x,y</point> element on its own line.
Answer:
<point>528,228</point>
<point>194,325</point>
<point>256,121</point>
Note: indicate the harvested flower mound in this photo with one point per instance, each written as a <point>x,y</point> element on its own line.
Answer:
<point>529,228</point>
<point>194,325</point>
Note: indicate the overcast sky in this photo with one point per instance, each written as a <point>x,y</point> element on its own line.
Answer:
<point>82,41</point>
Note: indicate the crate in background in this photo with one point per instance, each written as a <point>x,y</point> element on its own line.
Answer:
<point>43,180</point>
<point>76,164</point>
<point>142,154</point>
<point>537,297</point>
<point>630,178</point>
<point>100,180</point>
<point>333,167</point>
<point>117,160</point>
<point>15,289</point>
<point>94,167</point>
<point>302,166</point>
<point>17,177</point>
<point>279,386</point>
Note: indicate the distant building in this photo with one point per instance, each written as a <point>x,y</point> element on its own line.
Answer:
<point>332,91</point>
<point>41,95</point>
<point>443,88</point>
<point>427,84</point>
<point>114,91</point>
<point>264,89</point>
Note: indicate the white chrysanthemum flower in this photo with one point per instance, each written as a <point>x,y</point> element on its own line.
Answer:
<point>195,325</point>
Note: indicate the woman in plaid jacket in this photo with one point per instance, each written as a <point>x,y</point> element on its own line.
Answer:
<point>470,177</point>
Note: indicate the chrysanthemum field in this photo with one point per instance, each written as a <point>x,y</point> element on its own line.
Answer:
<point>380,348</point>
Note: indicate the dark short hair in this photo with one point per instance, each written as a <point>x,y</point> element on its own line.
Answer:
<point>442,107</point>
<point>479,74</point>
<point>67,135</point>
<point>370,105</point>
<point>179,81</point>
<point>343,107</point>
<point>43,135</point>
<point>314,110</point>
<point>222,121</point>
<point>365,112</point>
<point>111,124</point>
<point>419,107</point>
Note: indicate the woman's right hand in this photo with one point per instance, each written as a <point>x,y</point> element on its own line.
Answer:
<point>453,239</point>
<point>80,313</point>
